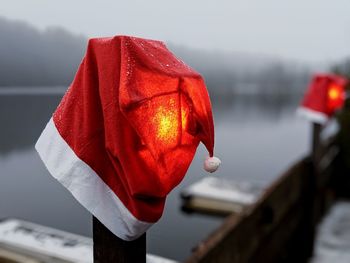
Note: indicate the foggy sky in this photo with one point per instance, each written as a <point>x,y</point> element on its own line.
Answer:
<point>307,30</point>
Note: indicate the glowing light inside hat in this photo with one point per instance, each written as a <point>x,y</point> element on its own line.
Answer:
<point>335,97</point>
<point>166,120</point>
<point>334,92</point>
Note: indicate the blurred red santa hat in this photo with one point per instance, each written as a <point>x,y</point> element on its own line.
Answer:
<point>325,95</point>
<point>127,130</point>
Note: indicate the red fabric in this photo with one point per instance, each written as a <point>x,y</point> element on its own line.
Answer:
<point>136,114</point>
<point>325,94</point>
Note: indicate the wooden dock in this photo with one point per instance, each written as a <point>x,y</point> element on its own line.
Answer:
<point>281,226</point>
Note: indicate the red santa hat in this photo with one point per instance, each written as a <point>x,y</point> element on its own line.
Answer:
<point>325,94</point>
<point>127,130</point>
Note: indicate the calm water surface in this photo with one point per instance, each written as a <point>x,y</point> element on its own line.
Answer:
<point>256,138</point>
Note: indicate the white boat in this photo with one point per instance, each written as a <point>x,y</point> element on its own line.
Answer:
<point>25,242</point>
<point>220,196</point>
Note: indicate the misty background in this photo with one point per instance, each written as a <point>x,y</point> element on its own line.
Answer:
<point>50,57</point>
<point>256,57</point>
<point>32,57</point>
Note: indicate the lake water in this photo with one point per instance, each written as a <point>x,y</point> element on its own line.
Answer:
<point>257,138</point>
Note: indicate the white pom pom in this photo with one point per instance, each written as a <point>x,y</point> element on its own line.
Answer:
<point>211,164</point>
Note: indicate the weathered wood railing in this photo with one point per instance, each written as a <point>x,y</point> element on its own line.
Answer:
<point>280,224</point>
<point>280,227</point>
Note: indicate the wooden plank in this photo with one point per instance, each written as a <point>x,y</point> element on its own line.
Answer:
<point>292,239</point>
<point>324,165</point>
<point>108,248</point>
<point>315,147</point>
<point>239,238</point>
<point>281,226</point>
<point>271,249</point>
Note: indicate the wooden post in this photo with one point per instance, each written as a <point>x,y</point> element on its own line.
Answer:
<point>315,147</point>
<point>108,248</point>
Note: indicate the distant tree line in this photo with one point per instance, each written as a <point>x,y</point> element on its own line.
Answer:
<point>229,74</point>
<point>342,68</point>
<point>29,57</point>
